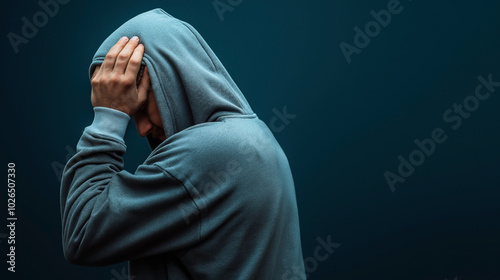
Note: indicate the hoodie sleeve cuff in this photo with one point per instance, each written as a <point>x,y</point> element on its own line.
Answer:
<point>109,122</point>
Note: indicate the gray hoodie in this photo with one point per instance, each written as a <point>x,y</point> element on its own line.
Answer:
<point>215,200</point>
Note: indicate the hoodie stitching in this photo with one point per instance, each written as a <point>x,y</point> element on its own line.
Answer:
<point>242,104</point>
<point>189,193</point>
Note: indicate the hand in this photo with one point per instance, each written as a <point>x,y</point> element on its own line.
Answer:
<point>114,82</point>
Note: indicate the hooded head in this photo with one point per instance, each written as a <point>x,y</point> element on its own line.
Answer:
<point>190,84</point>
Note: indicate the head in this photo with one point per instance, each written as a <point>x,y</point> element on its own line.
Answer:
<point>148,119</point>
<point>191,86</point>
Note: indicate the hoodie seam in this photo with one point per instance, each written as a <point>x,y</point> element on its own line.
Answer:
<point>237,116</point>
<point>106,137</point>
<point>190,196</point>
<point>217,70</point>
<point>198,40</point>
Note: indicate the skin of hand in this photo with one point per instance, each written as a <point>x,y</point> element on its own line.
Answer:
<point>114,82</point>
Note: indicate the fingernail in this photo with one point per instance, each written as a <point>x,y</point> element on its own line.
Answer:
<point>124,38</point>
<point>135,38</point>
<point>141,45</point>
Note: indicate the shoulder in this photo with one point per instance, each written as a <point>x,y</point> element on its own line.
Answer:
<point>213,143</point>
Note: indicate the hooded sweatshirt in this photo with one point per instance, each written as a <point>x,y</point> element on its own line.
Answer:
<point>215,200</point>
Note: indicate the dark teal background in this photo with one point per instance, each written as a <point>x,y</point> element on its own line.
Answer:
<point>352,121</point>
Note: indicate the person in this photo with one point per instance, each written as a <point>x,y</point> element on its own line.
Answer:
<point>215,199</point>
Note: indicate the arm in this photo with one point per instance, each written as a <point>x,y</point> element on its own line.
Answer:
<point>108,214</point>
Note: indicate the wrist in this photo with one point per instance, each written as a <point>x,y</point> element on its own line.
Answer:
<point>109,122</point>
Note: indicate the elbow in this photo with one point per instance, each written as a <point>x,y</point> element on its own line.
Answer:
<point>73,246</point>
<point>80,247</point>
<point>75,254</point>
<point>78,253</point>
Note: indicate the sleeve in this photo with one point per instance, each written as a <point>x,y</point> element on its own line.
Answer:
<point>110,215</point>
<point>109,122</point>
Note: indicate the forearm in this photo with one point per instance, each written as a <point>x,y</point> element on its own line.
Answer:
<point>88,172</point>
<point>99,152</point>
<point>110,215</point>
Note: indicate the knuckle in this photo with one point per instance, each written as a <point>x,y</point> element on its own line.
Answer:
<point>114,79</point>
<point>135,60</point>
<point>123,56</point>
<point>110,55</point>
<point>94,81</point>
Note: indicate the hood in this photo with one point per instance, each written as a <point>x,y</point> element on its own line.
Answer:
<point>190,84</point>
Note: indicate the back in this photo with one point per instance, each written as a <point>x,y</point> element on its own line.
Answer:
<point>240,180</point>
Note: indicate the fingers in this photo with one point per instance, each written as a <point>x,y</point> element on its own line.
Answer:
<point>134,63</point>
<point>114,83</point>
<point>110,59</point>
<point>125,55</point>
<point>96,70</point>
